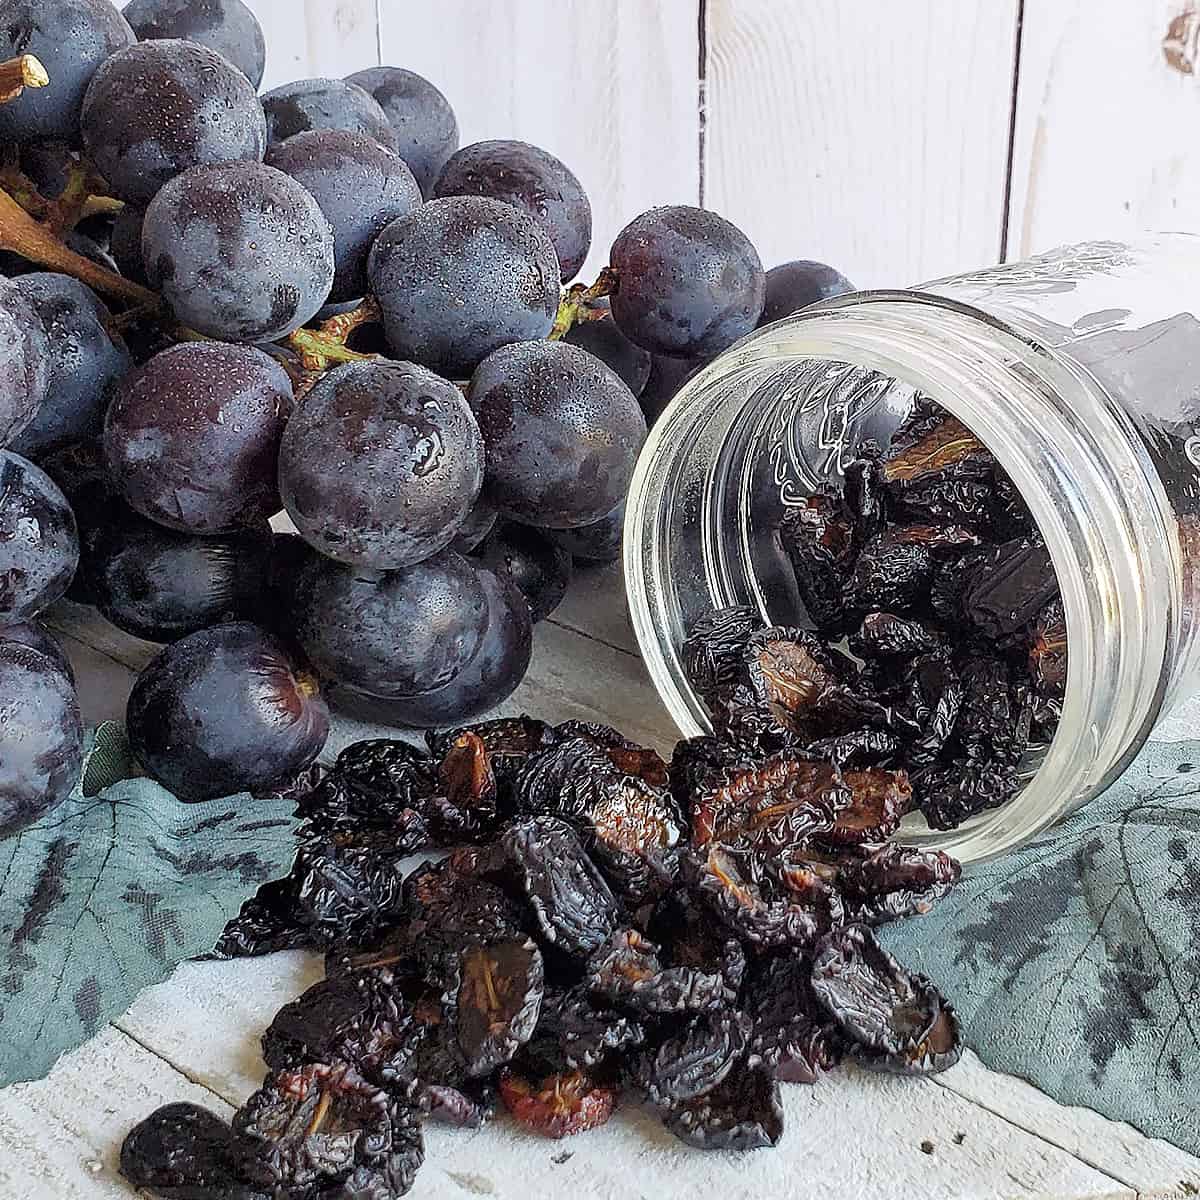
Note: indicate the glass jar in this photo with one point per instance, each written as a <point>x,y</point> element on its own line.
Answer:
<point>1079,369</point>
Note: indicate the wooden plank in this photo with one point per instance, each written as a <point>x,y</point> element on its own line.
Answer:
<point>307,38</point>
<point>208,1017</point>
<point>60,1138</point>
<point>871,136</point>
<point>611,88</point>
<point>1108,94</point>
<point>1152,1167</point>
<point>596,606</point>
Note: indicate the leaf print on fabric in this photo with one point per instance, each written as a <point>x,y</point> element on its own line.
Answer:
<point>1075,962</point>
<point>108,892</point>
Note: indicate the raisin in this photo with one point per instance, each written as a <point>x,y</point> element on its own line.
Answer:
<point>693,1060</point>
<point>935,697</point>
<point>818,537</point>
<point>689,938</point>
<point>556,1105</point>
<point>1010,514</point>
<point>885,634</point>
<point>788,670</point>
<point>878,801</point>
<point>965,502</point>
<point>859,747</point>
<point>628,971</point>
<point>778,805</point>
<point>944,449</point>
<point>574,908</point>
<point>699,765</point>
<point>498,1002</point>
<point>897,1020</point>
<point>890,574</point>
<point>993,721</point>
<point>744,1113</point>
<point>387,774</point>
<point>1008,586</point>
<point>184,1152</point>
<point>627,757</point>
<point>789,1033</point>
<point>712,652</point>
<point>897,881</point>
<point>588,1035</point>
<point>467,808</point>
<point>321,1125</point>
<point>564,780</point>
<point>949,795</point>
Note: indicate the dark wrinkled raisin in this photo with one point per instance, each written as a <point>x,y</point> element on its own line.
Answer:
<point>574,908</point>
<point>890,574</point>
<point>693,1060</point>
<point>466,810</point>
<point>712,652</point>
<point>935,697</point>
<point>789,1033</point>
<point>966,502</point>
<point>993,721</point>
<point>788,670</point>
<point>895,881</point>
<point>878,801</point>
<point>392,773</point>
<point>690,938</point>
<point>627,757</point>
<point>859,747</point>
<point>884,633</point>
<point>744,1113</point>
<point>897,1020</point>
<point>184,1152</point>
<point>564,780</point>
<point>627,971</point>
<point>700,765</point>
<point>946,449</point>
<point>556,1105</point>
<point>498,1002</point>
<point>323,1125</point>
<point>949,795</point>
<point>1008,586</point>
<point>818,537</point>
<point>588,1035</point>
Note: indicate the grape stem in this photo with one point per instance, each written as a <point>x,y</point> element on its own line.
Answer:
<point>17,74</point>
<point>581,303</point>
<point>320,347</point>
<point>22,235</point>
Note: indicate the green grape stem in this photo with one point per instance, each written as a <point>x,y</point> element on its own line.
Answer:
<point>320,347</point>
<point>580,303</point>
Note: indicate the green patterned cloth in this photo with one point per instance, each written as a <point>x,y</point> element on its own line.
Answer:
<point>108,892</point>
<point>1075,962</point>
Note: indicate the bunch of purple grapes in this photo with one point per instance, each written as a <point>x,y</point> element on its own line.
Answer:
<point>350,320</point>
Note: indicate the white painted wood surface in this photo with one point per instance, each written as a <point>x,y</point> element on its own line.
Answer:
<point>1105,143</point>
<point>312,38</point>
<point>871,136</point>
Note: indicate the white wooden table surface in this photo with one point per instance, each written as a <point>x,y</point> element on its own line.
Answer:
<point>855,1136</point>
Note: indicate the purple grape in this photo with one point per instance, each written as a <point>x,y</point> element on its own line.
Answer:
<point>381,464</point>
<point>226,26</point>
<point>41,752</point>
<point>562,433</point>
<point>37,637</point>
<point>157,109</point>
<point>481,520</point>
<point>360,187</point>
<point>460,277</point>
<point>420,116</point>
<point>160,585</point>
<point>241,251</point>
<point>603,339</point>
<point>667,377</point>
<point>192,438</point>
<point>126,243</point>
<point>530,179</point>
<point>325,104</point>
<point>71,38</point>
<point>85,362</point>
<point>792,286</point>
<point>39,541</point>
<point>531,560</point>
<point>690,283</point>
<point>48,165</point>
<point>24,361</point>
<point>81,474</point>
<point>399,633</point>
<point>486,681</point>
<point>225,710</point>
<point>601,542</point>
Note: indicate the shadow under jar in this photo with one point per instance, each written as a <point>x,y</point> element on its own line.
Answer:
<point>1078,369</point>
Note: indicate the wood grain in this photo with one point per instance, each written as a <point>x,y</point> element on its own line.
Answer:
<point>1108,105</point>
<point>609,87</point>
<point>870,136</point>
<point>208,1017</point>
<point>309,38</point>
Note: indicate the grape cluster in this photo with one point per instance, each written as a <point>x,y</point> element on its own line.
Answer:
<point>320,311</point>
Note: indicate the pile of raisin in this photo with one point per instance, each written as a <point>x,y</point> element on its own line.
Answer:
<point>937,655</point>
<point>602,928</point>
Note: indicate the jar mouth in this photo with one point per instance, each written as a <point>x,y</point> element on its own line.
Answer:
<point>1066,448</point>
